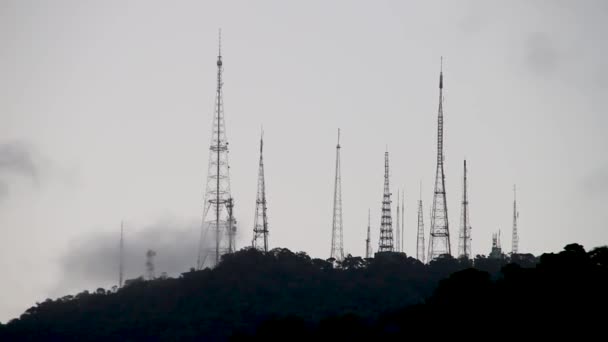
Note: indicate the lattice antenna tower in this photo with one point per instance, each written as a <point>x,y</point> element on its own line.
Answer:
<point>337,249</point>
<point>218,225</point>
<point>515,236</point>
<point>368,241</point>
<point>402,220</point>
<point>464,239</point>
<point>260,225</point>
<point>420,238</point>
<point>386,222</point>
<point>440,233</point>
<point>150,254</point>
<point>121,262</point>
<point>398,224</point>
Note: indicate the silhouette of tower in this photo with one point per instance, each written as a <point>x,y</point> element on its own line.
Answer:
<point>398,226</point>
<point>368,241</point>
<point>217,220</point>
<point>515,236</point>
<point>386,223</point>
<point>150,254</point>
<point>260,225</point>
<point>440,232</point>
<point>337,251</point>
<point>464,240</point>
<point>496,252</point>
<point>402,249</point>
<point>121,262</point>
<point>420,237</point>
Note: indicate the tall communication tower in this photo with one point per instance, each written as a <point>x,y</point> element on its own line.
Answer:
<point>440,232</point>
<point>515,236</point>
<point>420,237</point>
<point>337,251</point>
<point>386,222</point>
<point>121,262</point>
<point>368,241</point>
<point>218,224</point>
<point>402,220</point>
<point>150,254</point>
<point>464,240</point>
<point>260,225</point>
<point>398,222</point>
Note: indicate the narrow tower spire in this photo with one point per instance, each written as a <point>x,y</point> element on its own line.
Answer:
<point>402,220</point>
<point>440,232</point>
<point>386,223</point>
<point>260,225</point>
<point>121,262</point>
<point>515,236</point>
<point>398,224</point>
<point>464,245</point>
<point>337,251</point>
<point>420,237</point>
<point>368,241</point>
<point>218,206</point>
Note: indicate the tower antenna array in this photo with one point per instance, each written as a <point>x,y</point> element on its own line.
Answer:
<point>218,206</point>
<point>464,245</point>
<point>440,232</point>
<point>398,224</point>
<point>368,241</point>
<point>260,225</point>
<point>337,251</point>
<point>515,236</point>
<point>420,237</point>
<point>386,223</point>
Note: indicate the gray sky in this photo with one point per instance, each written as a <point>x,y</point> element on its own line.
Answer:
<point>106,110</point>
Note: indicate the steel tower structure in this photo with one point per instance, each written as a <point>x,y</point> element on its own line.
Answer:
<point>402,220</point>
<point>386,222</point>
<point>121,262</point>
<point>398,222</point>
<point>440,233</point>
<point>368,241</point>
<point>464,239</point>
<point>420,237</point>
<point>260,225</point>
<point>150,254</point>
<point>515,236</point>
<point>218,223</point>
<point>337,249</point>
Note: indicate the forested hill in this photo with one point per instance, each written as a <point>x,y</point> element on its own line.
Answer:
<point>286,295</point>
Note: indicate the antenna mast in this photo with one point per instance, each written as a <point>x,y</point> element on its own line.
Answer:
<point>386,223</point>
<point>121,262</point>
<point>260,225</point>
<point>420,239</point>
<point>440,232</point>
<point>368,241</point>
<point>398,226</point>
<point>337,251</point>
<point>515,236</point>
<point>217,212</point>
<point>464,246</point>
<point>150,254</point>
<point>402,220</point>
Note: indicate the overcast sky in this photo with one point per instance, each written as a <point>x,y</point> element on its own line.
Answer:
<point>106,110</point>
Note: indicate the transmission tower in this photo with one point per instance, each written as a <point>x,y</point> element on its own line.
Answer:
<point>121,262</point>
<point>440,232</point>
<point>398,226</point>
<point>260,225</point>
<point>515,236</point>
<point>402,220</point>
<point>218,224</point>
<point>464,240</point>
<point>386,223</point>
<point>368,241</point>
<point>337,251</point>
<point>420,239</point>
<point>150,254</point>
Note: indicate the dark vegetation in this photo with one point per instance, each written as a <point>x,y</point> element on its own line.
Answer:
<point>289,296</point>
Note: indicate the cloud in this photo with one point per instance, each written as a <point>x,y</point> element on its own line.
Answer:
<point>93,260</point>
<point>541,55</point>
<point>18,160</point>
